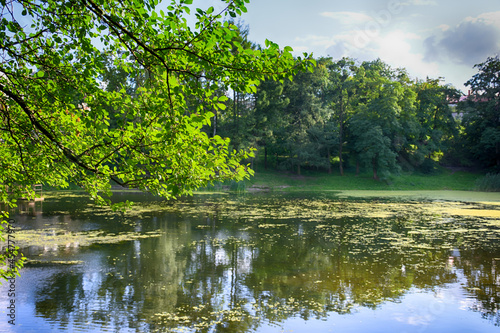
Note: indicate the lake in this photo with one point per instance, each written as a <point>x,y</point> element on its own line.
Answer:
<point>260,262</point>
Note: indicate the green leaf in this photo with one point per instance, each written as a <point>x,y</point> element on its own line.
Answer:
<point>12,27</point>
<point>149,117</point>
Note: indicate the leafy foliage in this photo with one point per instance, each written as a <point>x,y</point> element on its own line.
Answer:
<point>96,92</point>
<point>481,114</point>
<point>489,183</point>
<point>343,110</point>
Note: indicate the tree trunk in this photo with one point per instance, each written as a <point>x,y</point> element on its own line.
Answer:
<point>298,169</point>
<point>215,123</point>
<point>357,168</point>
<point>375,175</point>
<point>235,113</point>
<point>498,153</point>
<point>329,164</point>
<point>265,157</point>
<point>234,106</point>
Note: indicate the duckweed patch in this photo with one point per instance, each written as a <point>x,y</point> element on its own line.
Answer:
<point>321,209</point>
<point>227,263</point>
<point>202,318</point>
<point>39,263</point>
<point>56,237</point>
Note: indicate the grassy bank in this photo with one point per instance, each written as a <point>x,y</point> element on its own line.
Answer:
<point>320,181</point>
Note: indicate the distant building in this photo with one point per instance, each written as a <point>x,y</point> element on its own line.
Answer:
<point>452,103</point>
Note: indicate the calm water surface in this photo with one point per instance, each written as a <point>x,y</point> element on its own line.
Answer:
<point>258,263</point>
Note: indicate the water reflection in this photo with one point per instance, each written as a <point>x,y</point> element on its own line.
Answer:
<point>226,264</point>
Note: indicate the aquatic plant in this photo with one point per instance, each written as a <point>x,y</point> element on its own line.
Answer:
<point>489,183</point>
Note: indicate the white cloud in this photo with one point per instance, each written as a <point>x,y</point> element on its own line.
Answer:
<point>300,49</point>
<point>395,48</point>
<point>445,50</point>
<point>491,18</point>
<point>444,27</point>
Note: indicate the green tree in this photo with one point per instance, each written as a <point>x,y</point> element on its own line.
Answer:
<point>435,125</point>
<point>270,103</point>
<point>481,113</point>
<point>323,138</point>
<point>376,133</point>
<point>341,89</point>
<point>55,118</point>
<point>372,148</point>
<point>241,105</point>
<point>306,109</point>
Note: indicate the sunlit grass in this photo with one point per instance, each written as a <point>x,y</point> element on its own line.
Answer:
<point>321,181</point>
<point>274,180</point>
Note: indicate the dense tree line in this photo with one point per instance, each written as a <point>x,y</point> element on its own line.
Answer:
<point>481,117</point>
<point>363,116</point>
<point>367,116</point>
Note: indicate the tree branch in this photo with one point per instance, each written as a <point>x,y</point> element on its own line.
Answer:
<point>66,151</point>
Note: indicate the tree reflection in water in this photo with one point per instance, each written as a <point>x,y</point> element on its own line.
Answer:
<point>213,269</point>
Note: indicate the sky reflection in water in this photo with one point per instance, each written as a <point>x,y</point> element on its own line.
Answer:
<point>258,263</point>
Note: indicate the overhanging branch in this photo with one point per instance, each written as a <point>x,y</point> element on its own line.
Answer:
<point>70,155</point>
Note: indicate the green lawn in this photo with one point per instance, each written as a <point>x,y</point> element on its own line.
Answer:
<point>321,181</point>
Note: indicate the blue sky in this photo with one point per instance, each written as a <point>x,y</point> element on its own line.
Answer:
<point>434,38</point>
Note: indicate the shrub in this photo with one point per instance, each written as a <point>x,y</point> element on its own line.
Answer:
<point>428,167</point>
<point>216,186</point>
<point>489,183</point>
<point>237,186</point>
